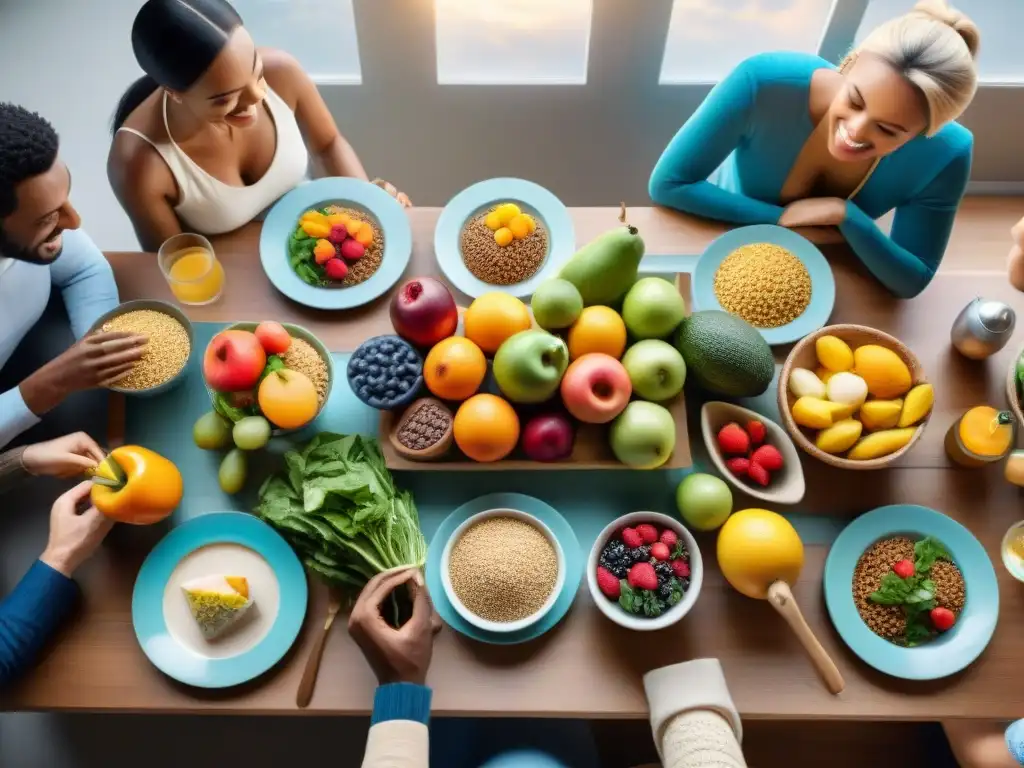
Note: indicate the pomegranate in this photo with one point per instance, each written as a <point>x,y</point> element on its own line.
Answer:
<point>424,312</point>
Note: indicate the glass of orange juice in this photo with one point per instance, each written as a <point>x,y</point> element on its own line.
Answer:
<point>981,436</point>
<point>191,268</point>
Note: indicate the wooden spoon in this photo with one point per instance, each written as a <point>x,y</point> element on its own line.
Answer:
<point>782,600</point>
<point>308,682</point>
<point>436,450</point>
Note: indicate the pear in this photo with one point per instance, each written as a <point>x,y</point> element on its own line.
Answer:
<point>604,269</point>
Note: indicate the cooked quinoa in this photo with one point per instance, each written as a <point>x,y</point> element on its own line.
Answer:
<point>303,357</point>
<point>764,284</point>
<point>166,352</point>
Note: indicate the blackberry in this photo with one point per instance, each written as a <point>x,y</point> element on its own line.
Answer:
<point>664,590</point>
<point>640,554</point>
<point>614,552</point>
<point>664,571</point>
<point>618,570</point>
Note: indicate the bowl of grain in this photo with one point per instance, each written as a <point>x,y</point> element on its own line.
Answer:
<point>163,364</point>
<point>502,570</point>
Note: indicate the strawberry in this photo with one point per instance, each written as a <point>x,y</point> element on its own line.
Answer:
<point>642,576</point>
<point>757,432</point>
<point>758,474</point>
<point>607,583</point>
<point>904,568</point>
<point>738,465</point>
<point>942,618</point>
<point>660,551</point>
<point>668,538</point>
<point>768,456</point>
<point>647,532</point>
<point>681,568</point>
<point>733,439</point>
<point>336,269</point>
<point>631,538</point>
<point>338,234</point>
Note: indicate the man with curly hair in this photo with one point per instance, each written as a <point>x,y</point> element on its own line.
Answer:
<point>41,247</point>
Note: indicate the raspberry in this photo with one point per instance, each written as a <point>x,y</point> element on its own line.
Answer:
<point>758,474</point>
<point>647,532</point>
<point>681,568</point>
<point>660,551</point>
<point>769,457</point>
<point>608,584</point>
<point>631,538</point>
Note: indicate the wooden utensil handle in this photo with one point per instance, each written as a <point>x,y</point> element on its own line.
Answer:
<point>308,682</point>
<point>781,598</point>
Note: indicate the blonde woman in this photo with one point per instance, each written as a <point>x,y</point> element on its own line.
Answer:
<point>787,138</point>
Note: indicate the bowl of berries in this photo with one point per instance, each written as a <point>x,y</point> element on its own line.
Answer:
<point>752,453</point>
<point>645,571</point>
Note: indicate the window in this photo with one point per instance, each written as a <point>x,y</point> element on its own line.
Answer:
<point>1000,21</point>
<point>290,24</point>
<point>510,42</point>
<point>708,38</point>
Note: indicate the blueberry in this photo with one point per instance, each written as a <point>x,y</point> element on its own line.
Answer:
<point>403,385</point>
<point>374,369</point>
<point>359,380</point>
<point>364,392</point>
<point>361,365</point>
<point>387,347</point>
<point>390,394</point>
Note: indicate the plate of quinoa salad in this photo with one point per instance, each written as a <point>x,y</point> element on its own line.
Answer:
<point>335,243</point>
<point>503,234</point>
<point>911,592</point>
<point>769,276</point>
<point>521,582</point>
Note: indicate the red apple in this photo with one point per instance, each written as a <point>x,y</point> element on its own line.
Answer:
<point>273,337</point>
<point>596,388</point>
<point>548,437</point>
<point>423,312</point>
<point>233,361</point>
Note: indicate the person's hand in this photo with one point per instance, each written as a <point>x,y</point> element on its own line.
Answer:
<point>814,212</point>
<point>98,360</point>
<point>1015,261</point>
<point>390,188</point>
<point>395,655</point>
<point>74,534</point>
<point>66,456</point>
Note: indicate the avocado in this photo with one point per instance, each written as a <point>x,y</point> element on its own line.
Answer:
<point>725,355</point>
<point>604,269</point>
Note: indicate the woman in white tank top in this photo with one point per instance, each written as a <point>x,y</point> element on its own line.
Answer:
<point>213,133</point>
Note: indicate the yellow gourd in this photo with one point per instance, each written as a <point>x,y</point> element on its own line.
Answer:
<point>813,413</point>
<point>880,444</point>
<point>918,403</point>
<point>884,371</point>
<point>881,414</point>
<point>839,437</point>
<point>834,353</point>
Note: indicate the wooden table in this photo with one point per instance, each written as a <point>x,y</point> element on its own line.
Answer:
<point>587,666</point>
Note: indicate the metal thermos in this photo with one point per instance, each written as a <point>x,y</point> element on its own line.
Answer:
<point>982,328</point>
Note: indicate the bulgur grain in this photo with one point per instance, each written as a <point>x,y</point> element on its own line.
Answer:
<point>886,621</point>
<point>503,569</point>
<point>497,265</point>
<point>362,269</point>
<point>950,589</point>
<point>303,357</point>
<point>166,353</point>
<point>764,284</point>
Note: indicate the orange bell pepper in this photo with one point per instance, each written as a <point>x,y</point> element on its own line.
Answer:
<point>135,485</point>
<point>317,229</point>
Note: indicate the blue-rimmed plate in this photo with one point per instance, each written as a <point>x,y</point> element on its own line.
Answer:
<point>229,543</point>
<point>823,284</point>
<point>283,218</point>
<point>547,515</point>
<point>532,199</point>
<point>953,650</point>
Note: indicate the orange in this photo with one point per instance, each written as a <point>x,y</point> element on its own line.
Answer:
<point>455,368</point>
<point>486,428</point>
<point>288,399</point>
<point>597,329</point>
<point>494,317</point>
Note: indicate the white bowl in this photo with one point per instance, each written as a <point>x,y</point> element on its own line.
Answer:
<point>677,611</point>
<point>787,485</point>
<point>501,627</point>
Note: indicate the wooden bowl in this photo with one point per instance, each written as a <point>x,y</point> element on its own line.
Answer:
<point>438,449</point>
<point>1011,389</point>
<point>803,355</point>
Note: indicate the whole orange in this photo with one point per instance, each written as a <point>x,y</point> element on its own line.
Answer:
<point>597,329</point>
<point>486,428</point>
<point>288,399</point>
<point>455,368</point>
<point>494,317</point>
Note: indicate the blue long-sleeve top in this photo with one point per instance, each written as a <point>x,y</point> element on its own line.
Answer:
<point>86,282</point>
<point>730,160</point>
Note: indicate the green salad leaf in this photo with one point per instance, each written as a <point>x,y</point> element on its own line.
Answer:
<point>274,363</point>
<point>926,552</point>
<point>336,503</point>
<point>232,413</point>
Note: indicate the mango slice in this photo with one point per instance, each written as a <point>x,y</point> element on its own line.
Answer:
<point>813,413</point>
<point>880,444</point>
<point>881,414</point>
<point>917,405</point>
<point>834,353</point>
<point>840,436</point>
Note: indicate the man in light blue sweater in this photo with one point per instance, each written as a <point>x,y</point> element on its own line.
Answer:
<point>41,247</point>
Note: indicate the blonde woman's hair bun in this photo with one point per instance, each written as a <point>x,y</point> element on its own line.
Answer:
<point>940,10</point>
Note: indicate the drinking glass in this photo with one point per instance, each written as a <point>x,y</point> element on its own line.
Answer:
<point>1012,550</point>
<point>191,269</point>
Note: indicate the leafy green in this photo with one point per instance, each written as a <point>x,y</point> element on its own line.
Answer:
<point>274,363</point>
<point>677,591</point>
<point>926,552</point>
<point>638,601</point>
<point>232,413</point>
<point>336,503</point>
<point>300,257</point>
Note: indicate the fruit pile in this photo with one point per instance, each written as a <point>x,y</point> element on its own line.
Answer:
<point>328,242</point>
<point>746,453</point>
<point>253,391</point>
<point>509,223</point>
<point>869,388</point>
<point>645,570</point>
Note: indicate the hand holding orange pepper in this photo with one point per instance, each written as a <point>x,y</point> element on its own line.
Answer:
<point>135,485</point>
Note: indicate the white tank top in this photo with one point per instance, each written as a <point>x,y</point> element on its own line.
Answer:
<point>207,205</point>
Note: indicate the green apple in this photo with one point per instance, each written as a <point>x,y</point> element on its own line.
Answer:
<point>528,366</point>
<point>556,304</point>
<point>643,436</point>
<point>653,308</point>
<point>704,501</point>
<point>656,369</point>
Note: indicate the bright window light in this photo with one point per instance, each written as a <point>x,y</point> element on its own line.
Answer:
<point>321,34</point>
<point>1000,21</point>
<point>512,42</point>
<point>708,38</point>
